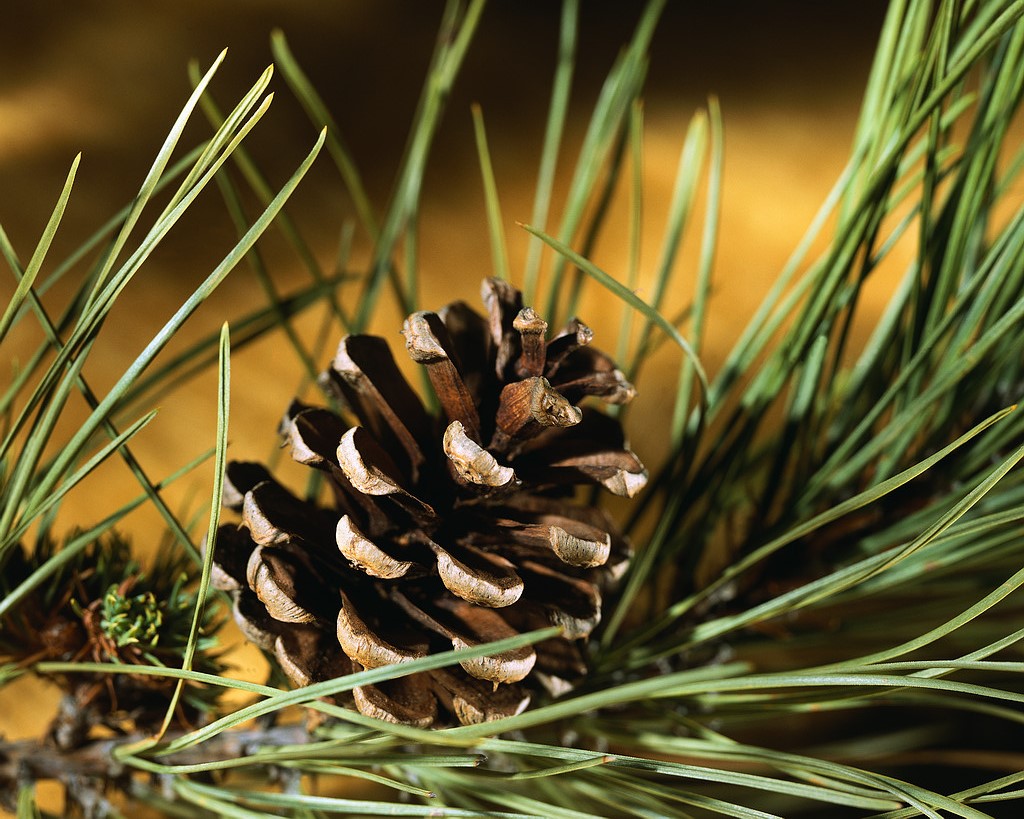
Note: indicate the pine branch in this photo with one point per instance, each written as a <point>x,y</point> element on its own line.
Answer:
<point>35,760</point>
<point>832,540</point>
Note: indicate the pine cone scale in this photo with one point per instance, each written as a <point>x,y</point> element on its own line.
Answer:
<point>531,329</point>
<point>306,655</point>
<point>471,462</point>
<point>371,383</point>
<point>466,626</point>
<point>313,434</point>
<point>254,621</point>
<point>478,576</point>
<point>574,336</point>
<point>365,645</point>
<point>429,344</point>
<point>366,555</point>
<point>273,515</point>
<point>406,700</point>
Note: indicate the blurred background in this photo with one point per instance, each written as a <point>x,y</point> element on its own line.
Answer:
<point>108,79</point>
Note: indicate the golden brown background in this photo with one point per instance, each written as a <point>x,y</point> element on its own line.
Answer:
<point>108,79</point>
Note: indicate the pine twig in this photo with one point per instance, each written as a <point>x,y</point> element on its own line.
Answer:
<point>38,759</point>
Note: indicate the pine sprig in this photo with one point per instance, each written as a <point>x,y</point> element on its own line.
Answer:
<point>825,606</point>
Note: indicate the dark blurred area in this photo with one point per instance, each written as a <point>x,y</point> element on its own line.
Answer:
<point>108,79</point>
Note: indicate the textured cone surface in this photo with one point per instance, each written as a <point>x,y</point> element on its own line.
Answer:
<point>446,531</point>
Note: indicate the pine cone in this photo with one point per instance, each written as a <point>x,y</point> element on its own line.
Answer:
<point>446,531</point>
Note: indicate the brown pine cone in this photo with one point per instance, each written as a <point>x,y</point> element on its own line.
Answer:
<point>444,531</point>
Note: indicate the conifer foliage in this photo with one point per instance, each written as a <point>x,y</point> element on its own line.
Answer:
<point>812,608</point>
